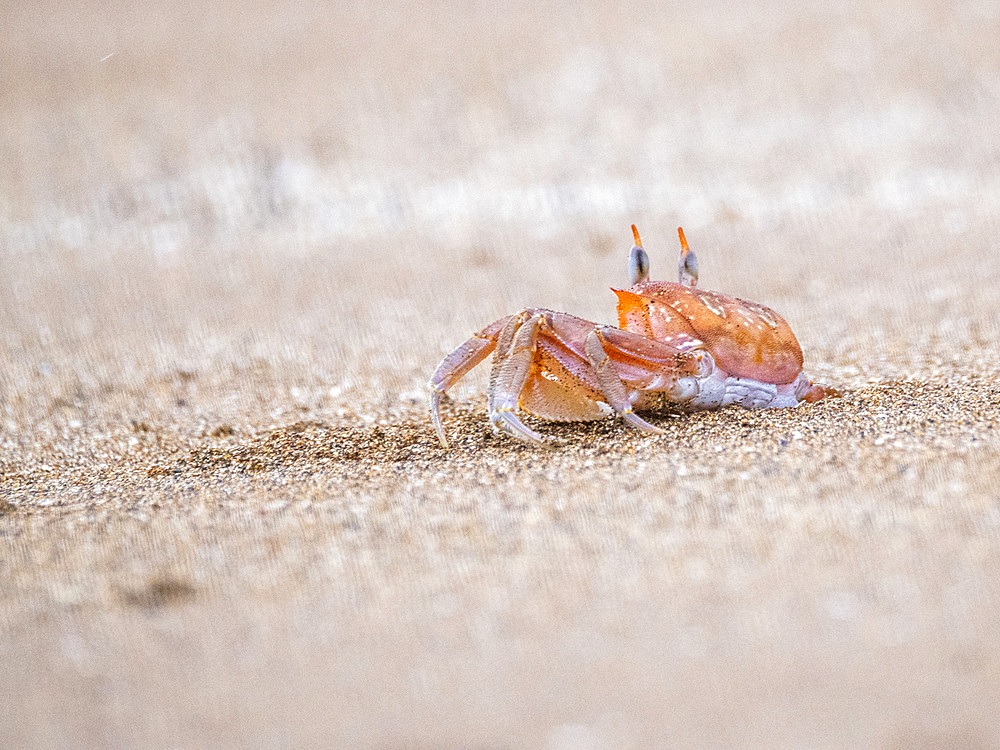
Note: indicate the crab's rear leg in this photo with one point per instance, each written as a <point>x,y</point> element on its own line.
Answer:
<point>455,366</point>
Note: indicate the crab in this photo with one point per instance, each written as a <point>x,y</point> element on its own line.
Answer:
<point>676,348</point>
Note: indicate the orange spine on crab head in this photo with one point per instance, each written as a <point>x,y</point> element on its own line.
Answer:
<point>633,312</point>
<point>635,233</point>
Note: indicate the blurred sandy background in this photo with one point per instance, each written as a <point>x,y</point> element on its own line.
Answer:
<point>234,243</point>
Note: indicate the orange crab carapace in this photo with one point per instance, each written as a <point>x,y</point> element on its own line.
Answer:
<point>677,347</point>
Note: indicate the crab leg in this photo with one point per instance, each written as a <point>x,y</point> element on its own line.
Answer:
<point>669,359</point>
<point>457,364</point>
<point>612,384</point>
<point>511,369</point>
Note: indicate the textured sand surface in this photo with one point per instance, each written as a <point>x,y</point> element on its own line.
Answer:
<point>235,242</point>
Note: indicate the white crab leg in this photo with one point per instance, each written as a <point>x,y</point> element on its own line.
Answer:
<point>612,384</point>
<point>511,369</point>
<point>436,417</point>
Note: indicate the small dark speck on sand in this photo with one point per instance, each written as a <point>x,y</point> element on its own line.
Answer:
<point>160,592</point>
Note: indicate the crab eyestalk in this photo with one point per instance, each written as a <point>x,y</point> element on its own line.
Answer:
<point>687,263</point>
<point>638,260</point>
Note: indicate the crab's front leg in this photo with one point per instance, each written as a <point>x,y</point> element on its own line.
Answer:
<point>631,366</point>
<point>611,382</point>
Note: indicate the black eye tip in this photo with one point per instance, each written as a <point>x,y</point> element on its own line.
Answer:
<point>638,264</point>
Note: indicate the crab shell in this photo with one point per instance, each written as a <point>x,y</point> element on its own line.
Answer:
<point>752,347</point>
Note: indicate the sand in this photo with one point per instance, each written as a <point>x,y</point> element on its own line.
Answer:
<point>234,244</point>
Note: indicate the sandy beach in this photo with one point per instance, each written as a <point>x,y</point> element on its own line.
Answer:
<point>234,245</point>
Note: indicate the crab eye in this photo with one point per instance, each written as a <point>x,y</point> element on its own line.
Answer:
<point>638,265</point>
<point>691,264</point>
